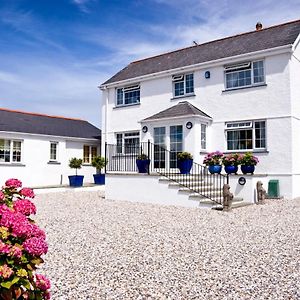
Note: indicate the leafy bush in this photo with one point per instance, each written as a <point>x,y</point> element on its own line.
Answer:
<point>184,155</point>
<point>142,157</point>
<point>22,243</point>
<point>213,158</point>
<point>249,159</point>
<point>99,163</point>
<point>75,163</point>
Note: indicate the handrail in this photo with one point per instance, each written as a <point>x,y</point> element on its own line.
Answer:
<point>122,158</point>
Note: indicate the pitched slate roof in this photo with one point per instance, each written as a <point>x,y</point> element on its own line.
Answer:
<point>25,122</point>
<point>271,37</point>
<point>182,109</point>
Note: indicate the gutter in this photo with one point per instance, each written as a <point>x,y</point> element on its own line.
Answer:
<point>68,138</point>
<point>272,51</point>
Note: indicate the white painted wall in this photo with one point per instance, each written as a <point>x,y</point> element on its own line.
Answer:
<point>35,169</point>
<point>277,102</point>
<point>147,189</point>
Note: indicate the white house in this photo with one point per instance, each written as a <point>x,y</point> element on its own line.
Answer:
<point>236,94</point>
<point>36,148</point>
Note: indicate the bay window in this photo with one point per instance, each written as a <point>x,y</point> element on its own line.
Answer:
<point>247,135</point>
<point>203,136</point>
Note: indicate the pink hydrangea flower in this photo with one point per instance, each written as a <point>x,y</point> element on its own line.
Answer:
<point>15,252</point>
<point>4,248</point>
<point>42,282</point>
<point>2,196</point>
<point>4,208</point>
<point>25,207</point>
<point>35,246</point>
<point>13,183</point>
<point>27,192</point>
<point>5,271</point>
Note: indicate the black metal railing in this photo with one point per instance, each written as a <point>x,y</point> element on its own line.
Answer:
<point>122,158</point>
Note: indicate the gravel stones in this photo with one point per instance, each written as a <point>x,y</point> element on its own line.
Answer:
<point>101,249</point>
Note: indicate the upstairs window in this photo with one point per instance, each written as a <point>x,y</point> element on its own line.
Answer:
<point>10,151</point>
<point>244,74</point>
<point>128,95</point>
<point>246,135</point>
<point>183,85</point>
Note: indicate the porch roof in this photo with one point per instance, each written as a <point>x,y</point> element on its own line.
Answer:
<point>182,109</point>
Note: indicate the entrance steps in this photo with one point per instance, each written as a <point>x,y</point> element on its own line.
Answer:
<point>212,192</point>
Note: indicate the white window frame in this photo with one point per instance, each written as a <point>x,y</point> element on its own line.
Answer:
<point>205,141</point>
<point>124,137</point>
<point>11,151</point>
<point>241,65</point>
<point>57,151</point>
<point>182,77</point>
<point>252,126</point>
<point>124,90</point>
<point>90,158</point>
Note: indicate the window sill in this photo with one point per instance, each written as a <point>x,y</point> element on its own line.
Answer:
<point>12,164</point>
<point>203,152</point>
<point>183,96</point>
<point>244,87</point>
<point>127,105</point>
<point>87,165</point>
<point>53,163</point>
<point>245,151</point>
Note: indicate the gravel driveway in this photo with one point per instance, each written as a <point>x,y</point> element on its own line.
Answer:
<point>101,249</point>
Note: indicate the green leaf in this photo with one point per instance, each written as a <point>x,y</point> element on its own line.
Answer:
<point>25,283</point>
<point>37,261</point>
<point>8,284</point>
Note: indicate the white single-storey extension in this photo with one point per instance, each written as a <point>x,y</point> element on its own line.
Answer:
<point>36,148</point>
<point>235,94</point>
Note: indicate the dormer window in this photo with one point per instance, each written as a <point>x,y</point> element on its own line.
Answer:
<point>128,95</point>
<point>183,84</point>
<point>244,74</point>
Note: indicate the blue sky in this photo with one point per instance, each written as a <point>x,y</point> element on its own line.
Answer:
<point>54,53</point>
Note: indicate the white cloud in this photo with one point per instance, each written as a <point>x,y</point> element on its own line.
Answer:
<point>82,5</point>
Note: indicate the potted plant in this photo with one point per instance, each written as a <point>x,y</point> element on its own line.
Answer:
<point>231,162</point>
<point>184,162</point>
<point>248,163</point>
<point>213,161</point>
<point>143,163</point>
<point>75,180</point>
<point>99,163</point>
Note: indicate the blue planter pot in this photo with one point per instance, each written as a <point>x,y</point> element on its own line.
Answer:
<point>99,178</point>
<point>143,165</point>
<point>247,169</point>
<point>185,166</point>
<point>231,169</point>
<point>216,169</point>
<point>76,180</point>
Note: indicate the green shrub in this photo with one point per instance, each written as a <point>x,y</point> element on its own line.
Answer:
<point>99,163</point>
<point>75,163</point>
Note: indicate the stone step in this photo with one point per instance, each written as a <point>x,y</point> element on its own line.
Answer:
<point>202,189</point>
<point>238,204</point>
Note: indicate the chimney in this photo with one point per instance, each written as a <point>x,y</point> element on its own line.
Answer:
<point>258,26</point>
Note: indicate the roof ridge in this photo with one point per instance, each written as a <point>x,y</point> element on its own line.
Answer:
<point>40,114</point>
<point>220,39</point>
